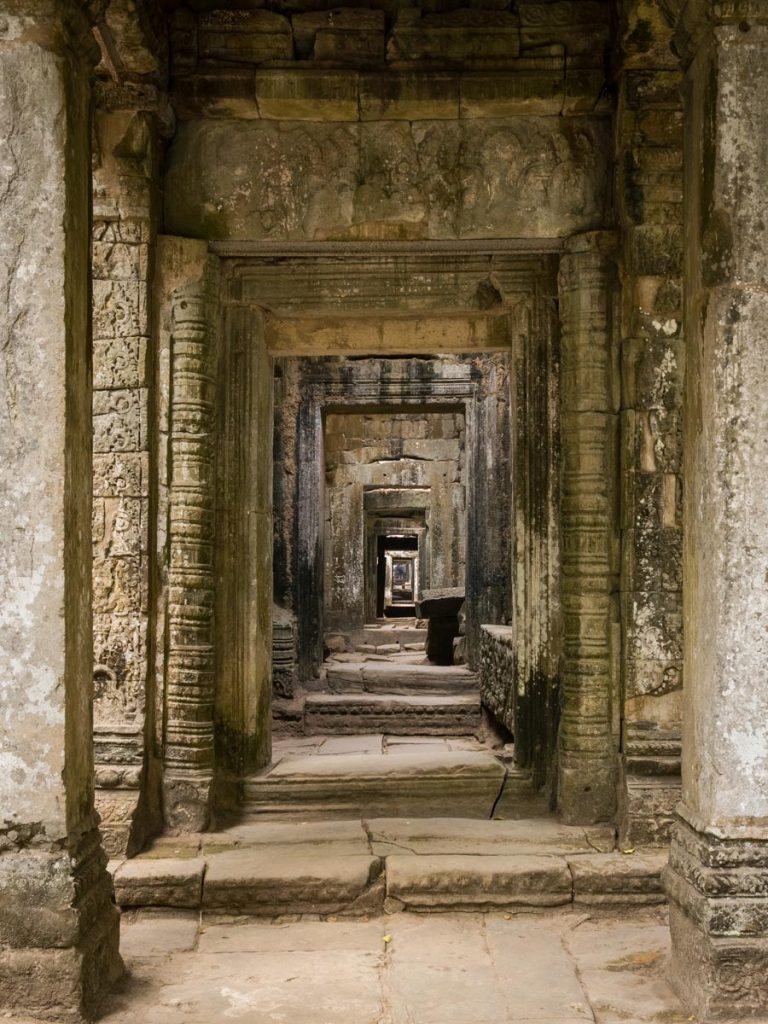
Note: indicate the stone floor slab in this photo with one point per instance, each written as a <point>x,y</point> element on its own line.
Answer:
<point>462,836</point>
<point>250,936</point>
<point>365,744</point>
<point>536,975</point>
<point>558,968</point>
<point>149,933</point>
<point>442,975</point>
<point>314,987</point>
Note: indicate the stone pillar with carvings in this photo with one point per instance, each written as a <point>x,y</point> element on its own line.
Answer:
<point>125,183</point>
<point>589,424</point>
<point>187,503</point>
<point>58,926</point>
<point>718,875</point>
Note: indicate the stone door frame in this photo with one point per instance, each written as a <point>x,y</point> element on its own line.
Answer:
<point>524,323</point>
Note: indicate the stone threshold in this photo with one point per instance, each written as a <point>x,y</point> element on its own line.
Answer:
<point>371,866</point>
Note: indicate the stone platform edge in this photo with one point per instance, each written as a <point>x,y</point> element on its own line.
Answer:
<point>262,881</point>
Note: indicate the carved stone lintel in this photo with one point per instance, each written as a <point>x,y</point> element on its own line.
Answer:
<point>588,765</point>
<point>718,893</point>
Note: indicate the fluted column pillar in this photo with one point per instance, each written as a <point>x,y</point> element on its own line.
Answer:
<point>588,424</point>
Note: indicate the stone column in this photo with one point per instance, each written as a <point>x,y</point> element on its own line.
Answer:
<point>190,622</point>
<point>718,875</point>
<point>589,424</point>
<point>58,928</point>
<point>308,536</point>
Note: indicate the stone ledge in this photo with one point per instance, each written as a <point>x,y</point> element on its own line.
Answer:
<point>279,880</point>
<point>450,882</point>
<point>609,878</point>
<point>159,882</point>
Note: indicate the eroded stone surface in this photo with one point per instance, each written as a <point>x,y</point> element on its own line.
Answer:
<point>501,880</point>
<point>429,179</point>
<point>159,882</point>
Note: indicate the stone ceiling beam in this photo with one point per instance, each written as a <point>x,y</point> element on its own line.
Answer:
<point>339,336</point>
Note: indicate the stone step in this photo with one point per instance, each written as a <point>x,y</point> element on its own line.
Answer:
<point>421,784</point>
<point>391,678</point>
<point>428,715</point>
<point>344,867</point>
<point>377,635</point>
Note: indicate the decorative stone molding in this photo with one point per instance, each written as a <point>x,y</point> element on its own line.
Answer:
<point>190,664</point>
<point>718,892</point>
<point>588,747</point>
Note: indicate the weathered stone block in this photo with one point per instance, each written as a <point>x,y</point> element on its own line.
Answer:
<point>458,36</point>
<point>652,371</point>
<point>249,37</point>
<point>349,46</point>
<point>408,96</point>
<point>581,26</point>
<point>157,882</point>
<point>654,249</point>
<point>119,420</point>
<point>118,261</point>
<point>615,878</point>
<point>118,473</point>
<point>307,94</point>
<point>119,363</point>
<point>643,88</point>
<point>505,94</point>
<point>220,91</point>
<point>310,879</point>
<point>119,309</point>
<point>342,33</point>
<point>452,881</point>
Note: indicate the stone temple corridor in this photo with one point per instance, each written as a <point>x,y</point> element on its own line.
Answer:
<point>384,511</point>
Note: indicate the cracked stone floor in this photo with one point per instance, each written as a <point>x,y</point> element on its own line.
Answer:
<point>566,967</point>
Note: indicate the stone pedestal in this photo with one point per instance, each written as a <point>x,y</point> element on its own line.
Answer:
<point>718,874</point>
<point>58,927</point>
<point>441,609</point>
<point>589,424</point>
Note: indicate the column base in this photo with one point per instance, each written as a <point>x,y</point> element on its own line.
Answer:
<point>718,911</point>
<point>587,790</point>
<point>59,932</point>
<point>187,800</point>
